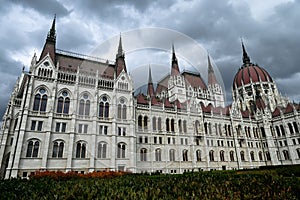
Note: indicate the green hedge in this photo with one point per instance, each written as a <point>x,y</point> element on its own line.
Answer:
<point>200,185</point>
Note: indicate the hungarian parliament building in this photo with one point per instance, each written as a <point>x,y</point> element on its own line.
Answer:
<point>71,112</point>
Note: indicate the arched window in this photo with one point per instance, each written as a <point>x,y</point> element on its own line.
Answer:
<point>282,130</point>
<point>32,148</point>
<point>205,127</point>
<point>211,155</point>
<point>260,156</point>
<point>197,126</point>
<point>209,128</point>
<point>84,105</point>
<point>220,129</point>
<point>122,109</point>
<point>140,122</point>
<point>198,155</point>
<point>145,122</point>
<point>168,125</point>
<point>298,153</point>
<point>102,149</point>
<point>268,156</point>
<point>252,156</point>
<point>159,124</point>
<point>154,123</point>
<point>104,107</point>
<point>262,129</point>
<point>58,149</point>
<point>121,150</point>
<point>40,100</point>
<point>172,154</point>
<point>291,128</point>
<point>296,127</point>
<point>63,103</point>
<point>242,156</point>
<point>157,155</point>
<point>172,126</point>
<point>277,130</point>
<point>222,157</point>
<point>217,130</point>
<point>286,155</point>
<point>179,126</point>
<point>184,126</point>
<point>81,149</point>
<point>143,154</point>
<point>185,155</point>
<point>231,155</point>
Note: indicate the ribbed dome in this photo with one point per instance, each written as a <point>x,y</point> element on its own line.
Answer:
<point>251,71</point>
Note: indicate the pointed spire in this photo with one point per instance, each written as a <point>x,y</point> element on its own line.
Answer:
<point>246,59</point>
<point>52,33</point>
<point>150,89</point>
<point>120,48</point>
<point>175,68</point>
<point>49,47</point>
<point>211,74</point>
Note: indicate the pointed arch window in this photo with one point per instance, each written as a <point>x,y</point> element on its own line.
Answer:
<point>121,150</point>
<point>140,122</point>
<point>242,155</point>
<point>167,124</point>
<point>104,107</point>
<point>184,126</point>
<point>222,157</point>
<point>185,155</point>
<point>198,155</point>
<point>63,103</point>
<point>211,155</point>
<point>172,154</point>
<point>286,155</point>
<point>159,124</point>
<point>40,100</point>
<point>231,155</point>
<point>58,149</point>
<point>102,149</point>
<point>260,156</point>
<point>84,105</point>
<point>252,156</point>
<point>122,109</point>
<point>81,149</point>
<point>180,126</point>
<point>143,154</point>
<point>32,148</point>
<point>154,123</point>
<point>157,155</point>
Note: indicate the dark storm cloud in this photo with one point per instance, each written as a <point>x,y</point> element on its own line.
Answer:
<point>49,7</point>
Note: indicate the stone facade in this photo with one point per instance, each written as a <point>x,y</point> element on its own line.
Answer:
<point>73,112</point>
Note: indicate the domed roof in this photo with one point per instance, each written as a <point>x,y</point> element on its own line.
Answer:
<point>250,72</point>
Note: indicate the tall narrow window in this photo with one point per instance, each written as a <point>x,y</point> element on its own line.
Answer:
<point>180,126</point>
<point>172,154</point>
<point>159,124</point>
<point>121,150</point>
<point>184,126</point>
<point>140,122</point>
<point>260,156</point>
<point>172,126</point>
<point>157,155</point>
<point>143,154</point>
<point>104,107</point>
<point>145,122</point>
<point>198,155</point>
<point>252,156</point>
<point>81,150</point>
<point>222,157</point>
<point>167,124</point>
<point>296,127</point>
<point>242,156</point>
<point>58,148</point>
<point>122,109</point>
<point>63,103</point>
<point>286,155</point>
<point>40,100</point>
<point>185,155</point>
<point>211,155</point>
<point>231,155</point>
<point>32,149</point>
<point>102,148</point>
<point>154,123</point>
<point>84,105</point>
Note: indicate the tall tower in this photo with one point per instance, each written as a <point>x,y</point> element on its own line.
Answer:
<point>120,60</point>
<point>214,87</point>
<point>49,46</point>
<point>176,83</point>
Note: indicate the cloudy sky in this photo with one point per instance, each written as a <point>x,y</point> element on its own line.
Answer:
<point>270,30</point>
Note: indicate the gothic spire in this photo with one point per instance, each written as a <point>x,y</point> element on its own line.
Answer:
<point>49,46</point>
<point>150,89</point>
<point>246,59</point>
<point>120,59</point>
<point>211,74</point>
<point>120,48</point>
<point>175,68</point>
<point>52,33</point>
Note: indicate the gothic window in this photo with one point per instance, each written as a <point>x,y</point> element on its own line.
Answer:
<point>40,100</point>
<point>197,126</point>
<point>260,156</point>
<point>184,126</point>
<point>262,129</point>
<point>58,149</point>
<point>282,130</point>
<point>252,155</point>
<point>32,148</point>
<point>159,124</point>
<point>291,128</point>
<point>277,130</point>
<point>296,127</point>
<point>286,155</point>
<point>145,122</point>
<point>217,130</point>
<point>172,126</point>
<point>143,154</point>
<point>167,124</point>
<point>121,150</point>
<point>242,156</point>
<point>104,107</point>
<point>205,127</point>
<point>157,155</point>
<point>63,103</point>
<point>179,126</point>
<point>231,155</point>
<point>84,105</point>
<point>211,155</point>
<point>172,154</point>
<point>122,109</point>
<point>140,122</point>
<point>198,155</point>
<point>154,123</point>
<point>222,157</point>
<point>102,148</point>
<point>220,129</point>
<point>185,155</point>
<point>268,156</point>
<point>81,149</point>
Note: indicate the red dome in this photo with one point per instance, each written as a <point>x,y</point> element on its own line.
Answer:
<point>256,73</point>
